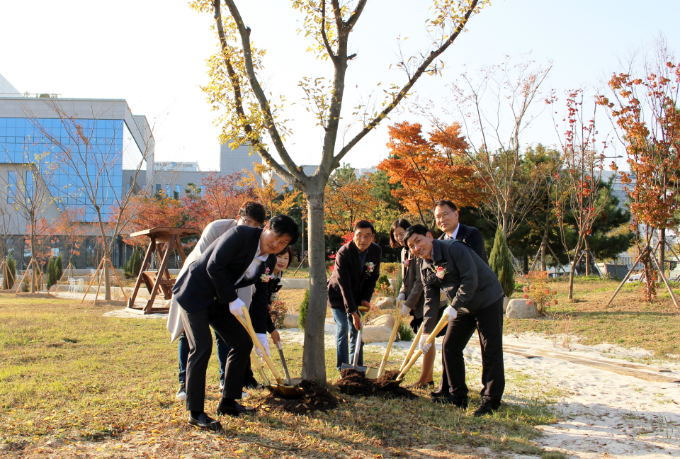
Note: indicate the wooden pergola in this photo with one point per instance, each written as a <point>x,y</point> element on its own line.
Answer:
<point>160,279</point>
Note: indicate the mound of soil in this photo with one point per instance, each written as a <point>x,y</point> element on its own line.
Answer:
<point>316,398</point>
<point>355,383</point>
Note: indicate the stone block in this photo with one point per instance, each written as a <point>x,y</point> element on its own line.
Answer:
<point>376,334</point>
<point>385,303</point>
<point>520,308</point>
<point>384,320</point>
<point>290,321</point>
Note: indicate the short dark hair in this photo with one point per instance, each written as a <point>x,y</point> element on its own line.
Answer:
<point>415,229</point>
<point>289,251</point>
<point>363,224</point>
<point>254,210</point>
<point>283,224</point>
<point>445,202</point>
<point>399,223</point>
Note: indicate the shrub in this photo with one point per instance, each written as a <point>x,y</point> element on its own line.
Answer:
<point>26,285</point>
<point>11,268</point>
<point>278,311</point>
<point>390,268</point>
<point>302,318</point>
<point>51,273</point>
<point>539,291</point>
<point>397,285</point>
<point>500,262</point>
<point>383,284</point>
<point>58,262</point>
<point>405,331</point>
<point>133,265</point>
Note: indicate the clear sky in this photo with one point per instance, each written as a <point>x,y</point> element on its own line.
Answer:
<point>152,54</point>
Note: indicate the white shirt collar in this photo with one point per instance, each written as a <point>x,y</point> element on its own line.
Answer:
<point>455,232</point>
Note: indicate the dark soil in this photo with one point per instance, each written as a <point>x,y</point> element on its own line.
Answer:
<point>355,383</point>
<point>315,398</point>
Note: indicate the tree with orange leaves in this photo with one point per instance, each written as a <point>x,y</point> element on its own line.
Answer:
<point>646,112</point>
<point>430,170</point>
<point>262,181</point>
<point>70,230</point>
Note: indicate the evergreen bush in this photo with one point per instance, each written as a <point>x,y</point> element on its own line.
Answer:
<point>59,263</point>
<point>405,331</point>
<point>11,268</point>
<point>500,262</point>
<point>302,318</point>
<point>133,265</point>
<point>51,273</point>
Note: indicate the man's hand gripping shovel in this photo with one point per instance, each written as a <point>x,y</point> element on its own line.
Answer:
<point>355,366</point>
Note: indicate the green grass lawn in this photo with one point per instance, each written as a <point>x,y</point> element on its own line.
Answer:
<point>76,383</point>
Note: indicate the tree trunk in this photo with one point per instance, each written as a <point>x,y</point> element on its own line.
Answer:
<point>588,259</point>
<point>543,247</point>
<point>107,282</point>
<point>34,275</point>
<point>313,357</point>
<point>662,249</point>
<point>573,269</point>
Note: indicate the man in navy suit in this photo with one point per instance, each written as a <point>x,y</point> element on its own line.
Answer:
<point>207,295</point>
<point>447,217</point>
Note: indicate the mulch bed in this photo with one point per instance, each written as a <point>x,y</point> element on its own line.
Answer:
<point>355,382</point>
<point>315,398</point>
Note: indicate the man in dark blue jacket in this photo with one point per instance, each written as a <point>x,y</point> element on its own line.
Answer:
<point>207,295</point>
<point>355,273</point>
<point>476,303</point>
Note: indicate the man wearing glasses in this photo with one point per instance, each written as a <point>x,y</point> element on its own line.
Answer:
<point>250,214</point>
<point>446,215</point>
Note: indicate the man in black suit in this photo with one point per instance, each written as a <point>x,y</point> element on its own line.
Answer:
<point>476,303</point>
<point>208,298</point>
<point>355,273</point>
<point>446,215</point>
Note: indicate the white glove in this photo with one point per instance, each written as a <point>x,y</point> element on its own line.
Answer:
<point>235,307</point>
<point>451,312</point>
<point>405,310</point>
<point>401,297</point>
<point>423,345</point>
<point>265,344</point>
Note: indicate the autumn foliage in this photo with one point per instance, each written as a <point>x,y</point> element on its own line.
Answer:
<point>430,169</point>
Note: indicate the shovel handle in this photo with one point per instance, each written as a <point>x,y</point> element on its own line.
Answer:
<point>253,355</point>
<point>416,340</point>
<point>381,370</point>
<point>430,340</point>
<point>283,362</point>
<point>257,343</point>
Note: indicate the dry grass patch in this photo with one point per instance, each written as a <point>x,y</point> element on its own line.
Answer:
<point>76,384</point>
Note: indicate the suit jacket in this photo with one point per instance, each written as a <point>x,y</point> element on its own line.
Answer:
<point>412,284</point>
<point>468,281</point>
<point>259,307</point>
<point>472,237</point>
<point>350,283</point>
<point>214,276</point>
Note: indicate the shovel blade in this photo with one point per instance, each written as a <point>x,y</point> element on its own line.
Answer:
<point>372,373</point>
<point>286,391</point>
<point>347,366</point>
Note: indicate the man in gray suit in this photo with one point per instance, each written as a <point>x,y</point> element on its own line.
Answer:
<point>476,299</point>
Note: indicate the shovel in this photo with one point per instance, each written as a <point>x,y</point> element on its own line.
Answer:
<point>279,388</point>
<point>430,340</point>
<point>381,370</point>
<point>416,340</point>
<point>283,362</point>
<point>355,366</point>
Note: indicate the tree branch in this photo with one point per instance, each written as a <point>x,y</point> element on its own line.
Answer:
<point>404,91</point>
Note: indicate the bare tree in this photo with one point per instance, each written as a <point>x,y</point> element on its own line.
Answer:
<point>495,109</point>
<point>94,160</point>
<point>248,112</point>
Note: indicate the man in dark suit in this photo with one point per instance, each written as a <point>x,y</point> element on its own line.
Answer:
<point>446,215</point>
<point>476,303</point>
<point>208,298</point>
<point>355,273</point>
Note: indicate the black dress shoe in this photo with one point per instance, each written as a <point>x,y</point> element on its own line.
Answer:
<point>484,410</point>
<point>205,422</point>
<point>452,400</point>
<point>253,385</point>
<point>438,394</point>
<point>235,410</point>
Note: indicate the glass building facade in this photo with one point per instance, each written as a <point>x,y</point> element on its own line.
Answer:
<point>73,151</point>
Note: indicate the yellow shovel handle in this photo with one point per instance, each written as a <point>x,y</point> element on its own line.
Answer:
<point>381,371</point>
<point>416,340</point>
<point>253,355</point>
<point>430,340</point>
<point>258,344</point>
